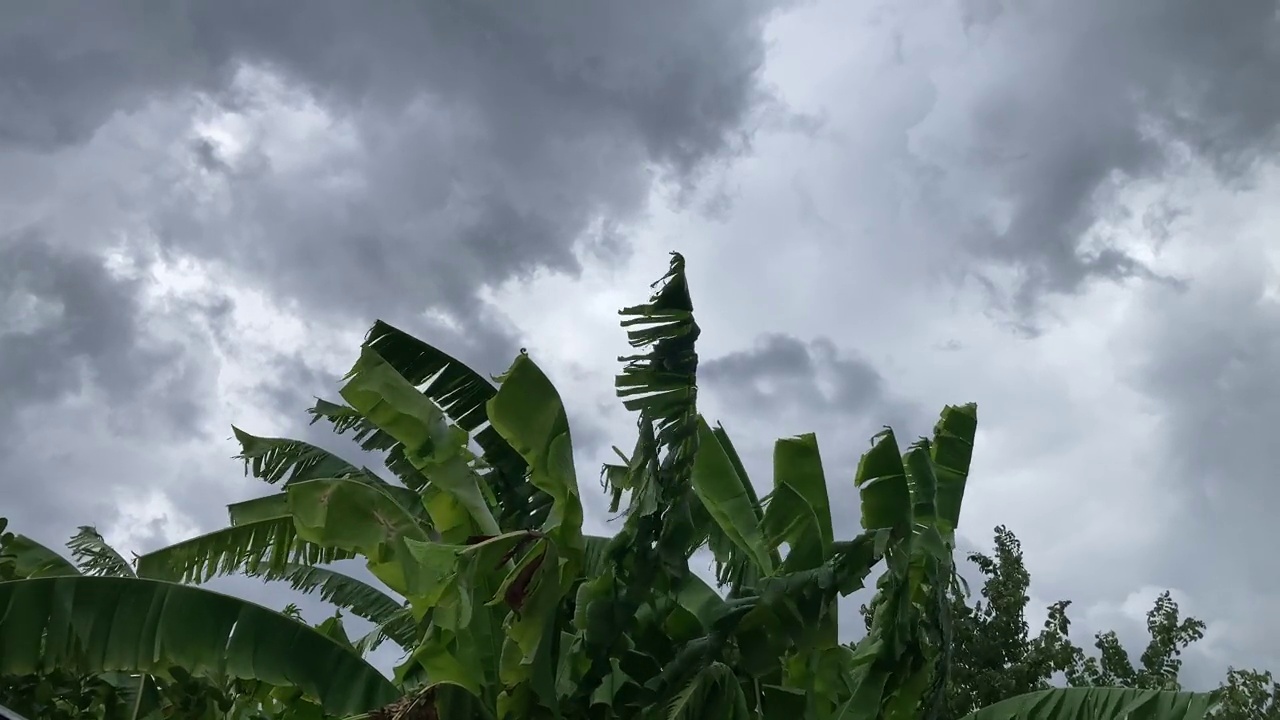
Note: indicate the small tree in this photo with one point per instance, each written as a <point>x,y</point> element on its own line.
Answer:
<point>993,658</point>
<point>1160,662</point>
<point>1249,695</point>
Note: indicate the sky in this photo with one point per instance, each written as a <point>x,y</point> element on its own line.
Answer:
<point>1057,209</point>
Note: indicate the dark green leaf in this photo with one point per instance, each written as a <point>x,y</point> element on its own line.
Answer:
<point>95,624</point>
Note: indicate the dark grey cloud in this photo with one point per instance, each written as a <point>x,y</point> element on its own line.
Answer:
<point>71,324</point>
<point>675,75</point>
<point>61,309</point>
<point>1064,104</point>
<point>474,143</point>
<point>784,371</point>
<point>388,162</point>
<point>491,138</point>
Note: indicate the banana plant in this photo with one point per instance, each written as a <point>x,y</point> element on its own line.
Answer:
<point>505,608</point>
<point>89,636</point>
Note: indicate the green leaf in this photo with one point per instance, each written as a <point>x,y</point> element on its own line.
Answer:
<point>701,601</point>
<point>462,394</point>
<point>436,448</point>
<point>1098,703</point>
<point>882,482</point>
<point>460,391</point>
<point>531,592</point>
<point>717,485</point>
<point>95,624</point>
<point>734,568</point>
<point>617,680</point>
<point>344,419</point>
<point>95,556</point>
<point>528,413</point>
<point>727,445</point>
<point>662,383</point>
<point>952,452</point>
<point>30,559</point>
<point>274,460</point>
<point>337,512</point>
<point>373,639</point>
<point>331,506</point>
<point>443,590</point>
<point>353,516</point>
<point>922,483</point>
<point>276,505</point>
<point>359,598</point>
<point>262,508</point>
<point>799,511</point>
<point>333,628</point>
<point>782,703</point>
<point>595,561</point>
<point>253,547</point>
<point>713,692</point>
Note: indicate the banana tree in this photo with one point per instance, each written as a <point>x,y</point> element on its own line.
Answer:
<point>505,608</point>
<point>89,638</point>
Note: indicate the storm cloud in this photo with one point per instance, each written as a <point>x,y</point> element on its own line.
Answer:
<point>348,162</point>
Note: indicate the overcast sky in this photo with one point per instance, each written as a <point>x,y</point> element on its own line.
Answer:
<point>1062,210</point>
